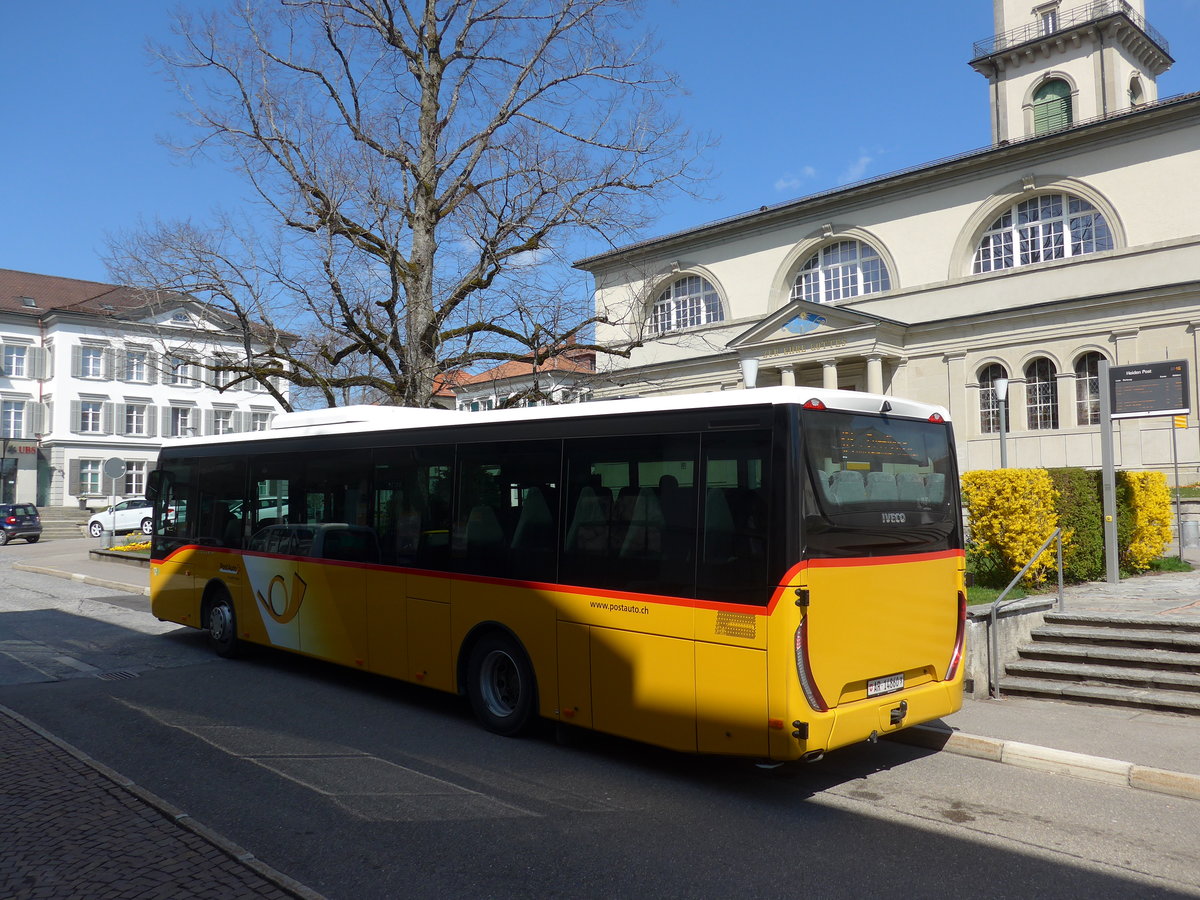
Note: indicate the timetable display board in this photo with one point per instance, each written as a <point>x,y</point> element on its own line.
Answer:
<point>1149,389</point>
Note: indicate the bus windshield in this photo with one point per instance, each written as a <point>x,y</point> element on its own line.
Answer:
<point>876,485</point>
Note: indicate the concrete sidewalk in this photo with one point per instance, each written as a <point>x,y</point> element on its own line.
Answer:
<point>1124,747</point>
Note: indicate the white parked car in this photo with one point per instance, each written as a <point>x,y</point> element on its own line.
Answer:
<point>128,515</point>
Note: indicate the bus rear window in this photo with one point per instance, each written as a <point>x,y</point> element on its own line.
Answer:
<point>876,484</point>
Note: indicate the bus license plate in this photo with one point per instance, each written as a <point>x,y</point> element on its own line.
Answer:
<point>888,684</point>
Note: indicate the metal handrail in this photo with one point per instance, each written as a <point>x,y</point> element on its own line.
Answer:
<point>1068,19</point>
<point>993,637</point>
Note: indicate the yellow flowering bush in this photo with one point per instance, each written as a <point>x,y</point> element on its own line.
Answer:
<point>131,547</point>
<point>1011,512</point>
<point>1151,532</point>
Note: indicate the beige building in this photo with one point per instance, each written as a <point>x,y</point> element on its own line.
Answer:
<point>1074,238</point>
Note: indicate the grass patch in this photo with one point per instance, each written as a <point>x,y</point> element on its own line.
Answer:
<point>1169,564</point>
<point>979,594</point>
<point>1187,492</point>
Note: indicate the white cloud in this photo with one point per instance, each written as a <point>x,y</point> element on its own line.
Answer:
<point>857,169</point>
<point>793,182</point>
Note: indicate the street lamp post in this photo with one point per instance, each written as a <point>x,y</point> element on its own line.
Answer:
<point>1000,385</point>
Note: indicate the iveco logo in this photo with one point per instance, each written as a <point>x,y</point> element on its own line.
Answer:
<point>892,518</point>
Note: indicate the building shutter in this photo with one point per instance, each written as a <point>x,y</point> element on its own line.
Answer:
<point>73,478</point>
<point>120,420</point>
<point>106,418</point>
<point>1052,107</point>
<point>166,421</point>
<point>37,358</point>
<point>151,421</point>
<point>75,417</point>
<point>208,422</point>
<point>76,361</point>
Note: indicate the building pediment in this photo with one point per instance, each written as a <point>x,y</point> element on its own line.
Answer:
<point>803,326</point>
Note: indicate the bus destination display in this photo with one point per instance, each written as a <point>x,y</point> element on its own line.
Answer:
<point>1149,389</point>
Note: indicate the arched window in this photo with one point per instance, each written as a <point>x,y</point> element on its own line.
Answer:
<point>1041,394</point>
<point>841,270</point>
<point>1052,106</point>
<point>689,302</point>
<point>989,404</point>
<point>1052,226</point>
<point>1087,389</point>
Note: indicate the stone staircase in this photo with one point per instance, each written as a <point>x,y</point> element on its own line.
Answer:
<point>59,522</point>
<point>1145,663</point>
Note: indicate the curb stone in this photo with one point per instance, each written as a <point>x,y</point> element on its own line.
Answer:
<point>1047,759</point>
<point>85,579</point>
<point>174,814</point>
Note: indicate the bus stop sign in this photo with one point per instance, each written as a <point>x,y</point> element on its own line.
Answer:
<point>1149,389</point>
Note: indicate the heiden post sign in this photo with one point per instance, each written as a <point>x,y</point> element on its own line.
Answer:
<point>1149,389</point>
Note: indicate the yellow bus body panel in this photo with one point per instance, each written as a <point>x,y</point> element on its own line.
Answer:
<point>682,674</point>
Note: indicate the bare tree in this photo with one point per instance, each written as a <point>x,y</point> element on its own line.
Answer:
<point>425,166</point>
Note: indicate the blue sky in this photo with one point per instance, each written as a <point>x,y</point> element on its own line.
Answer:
<point>802,97</point>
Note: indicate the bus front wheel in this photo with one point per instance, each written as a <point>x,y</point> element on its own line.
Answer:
<point>501,685</point>
<point>222,626</point>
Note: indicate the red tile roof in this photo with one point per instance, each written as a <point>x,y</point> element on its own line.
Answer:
<point>53,293</point>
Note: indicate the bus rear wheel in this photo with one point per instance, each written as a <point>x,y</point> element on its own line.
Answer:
<point>501,685</point>
<point>221,623</point>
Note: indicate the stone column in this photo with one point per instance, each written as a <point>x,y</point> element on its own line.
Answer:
<point>788,375</point>
<point>875,374</point>
<point>829,376</point>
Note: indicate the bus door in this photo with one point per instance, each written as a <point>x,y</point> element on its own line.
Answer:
<point>172,487</point>
<point>332,569</point>
<point>276,590</point>
<point>883,558</point>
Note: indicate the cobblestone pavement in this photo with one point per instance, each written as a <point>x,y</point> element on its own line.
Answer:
<point>69,828</point>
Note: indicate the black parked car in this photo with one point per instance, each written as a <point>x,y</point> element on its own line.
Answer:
<point>19,520</point>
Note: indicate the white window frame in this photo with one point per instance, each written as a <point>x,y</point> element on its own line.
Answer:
<point>841,270</point>
<point>690,301</point>
<point>12,418</point>
<point>91,362</point>
<point>223,421</point>
<point>91,417</point>
<point>15,363</point>
<point>89,477</point>
<point>183,421</point>
<point>137,365</point>
<point>260,420</point>
<point>1040,229</point>
<point>136,419</point>
<point>135,478</point>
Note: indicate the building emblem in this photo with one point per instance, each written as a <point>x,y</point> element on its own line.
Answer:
<point>803,324</point>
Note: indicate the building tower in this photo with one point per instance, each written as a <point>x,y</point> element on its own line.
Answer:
<point>1050,64</point>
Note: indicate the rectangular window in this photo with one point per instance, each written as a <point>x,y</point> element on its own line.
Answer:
<point>223,421</point>
<point>1049,21</point>
<point>91,416</point>
<point>12,418</point>
<point>413,490</point>
<point>507,514</point>
<point>91,362</point>
<point>182,424</point>
<point>14,361</point>
<point>89,476</point>
<point>631,514</point>
<point>260,421</point>
<point>135,419</point>
<point>137,365</point>
<point>180,371</point>
<point>135,479</point>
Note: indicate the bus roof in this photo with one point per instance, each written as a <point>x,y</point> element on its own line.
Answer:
<point>359,419</point>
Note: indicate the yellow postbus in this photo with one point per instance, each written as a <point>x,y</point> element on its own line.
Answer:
<point>770,573</point>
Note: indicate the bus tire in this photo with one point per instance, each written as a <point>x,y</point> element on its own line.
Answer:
<point>501,685</point>
<point>221,623</point>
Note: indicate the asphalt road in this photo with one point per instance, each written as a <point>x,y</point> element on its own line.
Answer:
<point>364,788</point>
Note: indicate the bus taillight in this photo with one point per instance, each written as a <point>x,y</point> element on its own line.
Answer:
<point>956,658</point>
<point>814,403</point>
<point>937,419</point>
<point>804,670</point>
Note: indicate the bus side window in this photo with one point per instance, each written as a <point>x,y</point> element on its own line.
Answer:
<point>506,523</point>
<point>734,558</point>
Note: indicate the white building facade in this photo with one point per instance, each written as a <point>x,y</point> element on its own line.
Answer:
<point>1075,238</point>
<point>90,374</point>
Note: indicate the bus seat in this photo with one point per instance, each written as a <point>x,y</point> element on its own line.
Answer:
<point>882,486</point>
<point>588,532</point>
<point>535,524</point>
<point>483,530</point>
<point>847,486</point>
<point>910,486</point>
<point>936,482</point>
<point>643,538</point>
